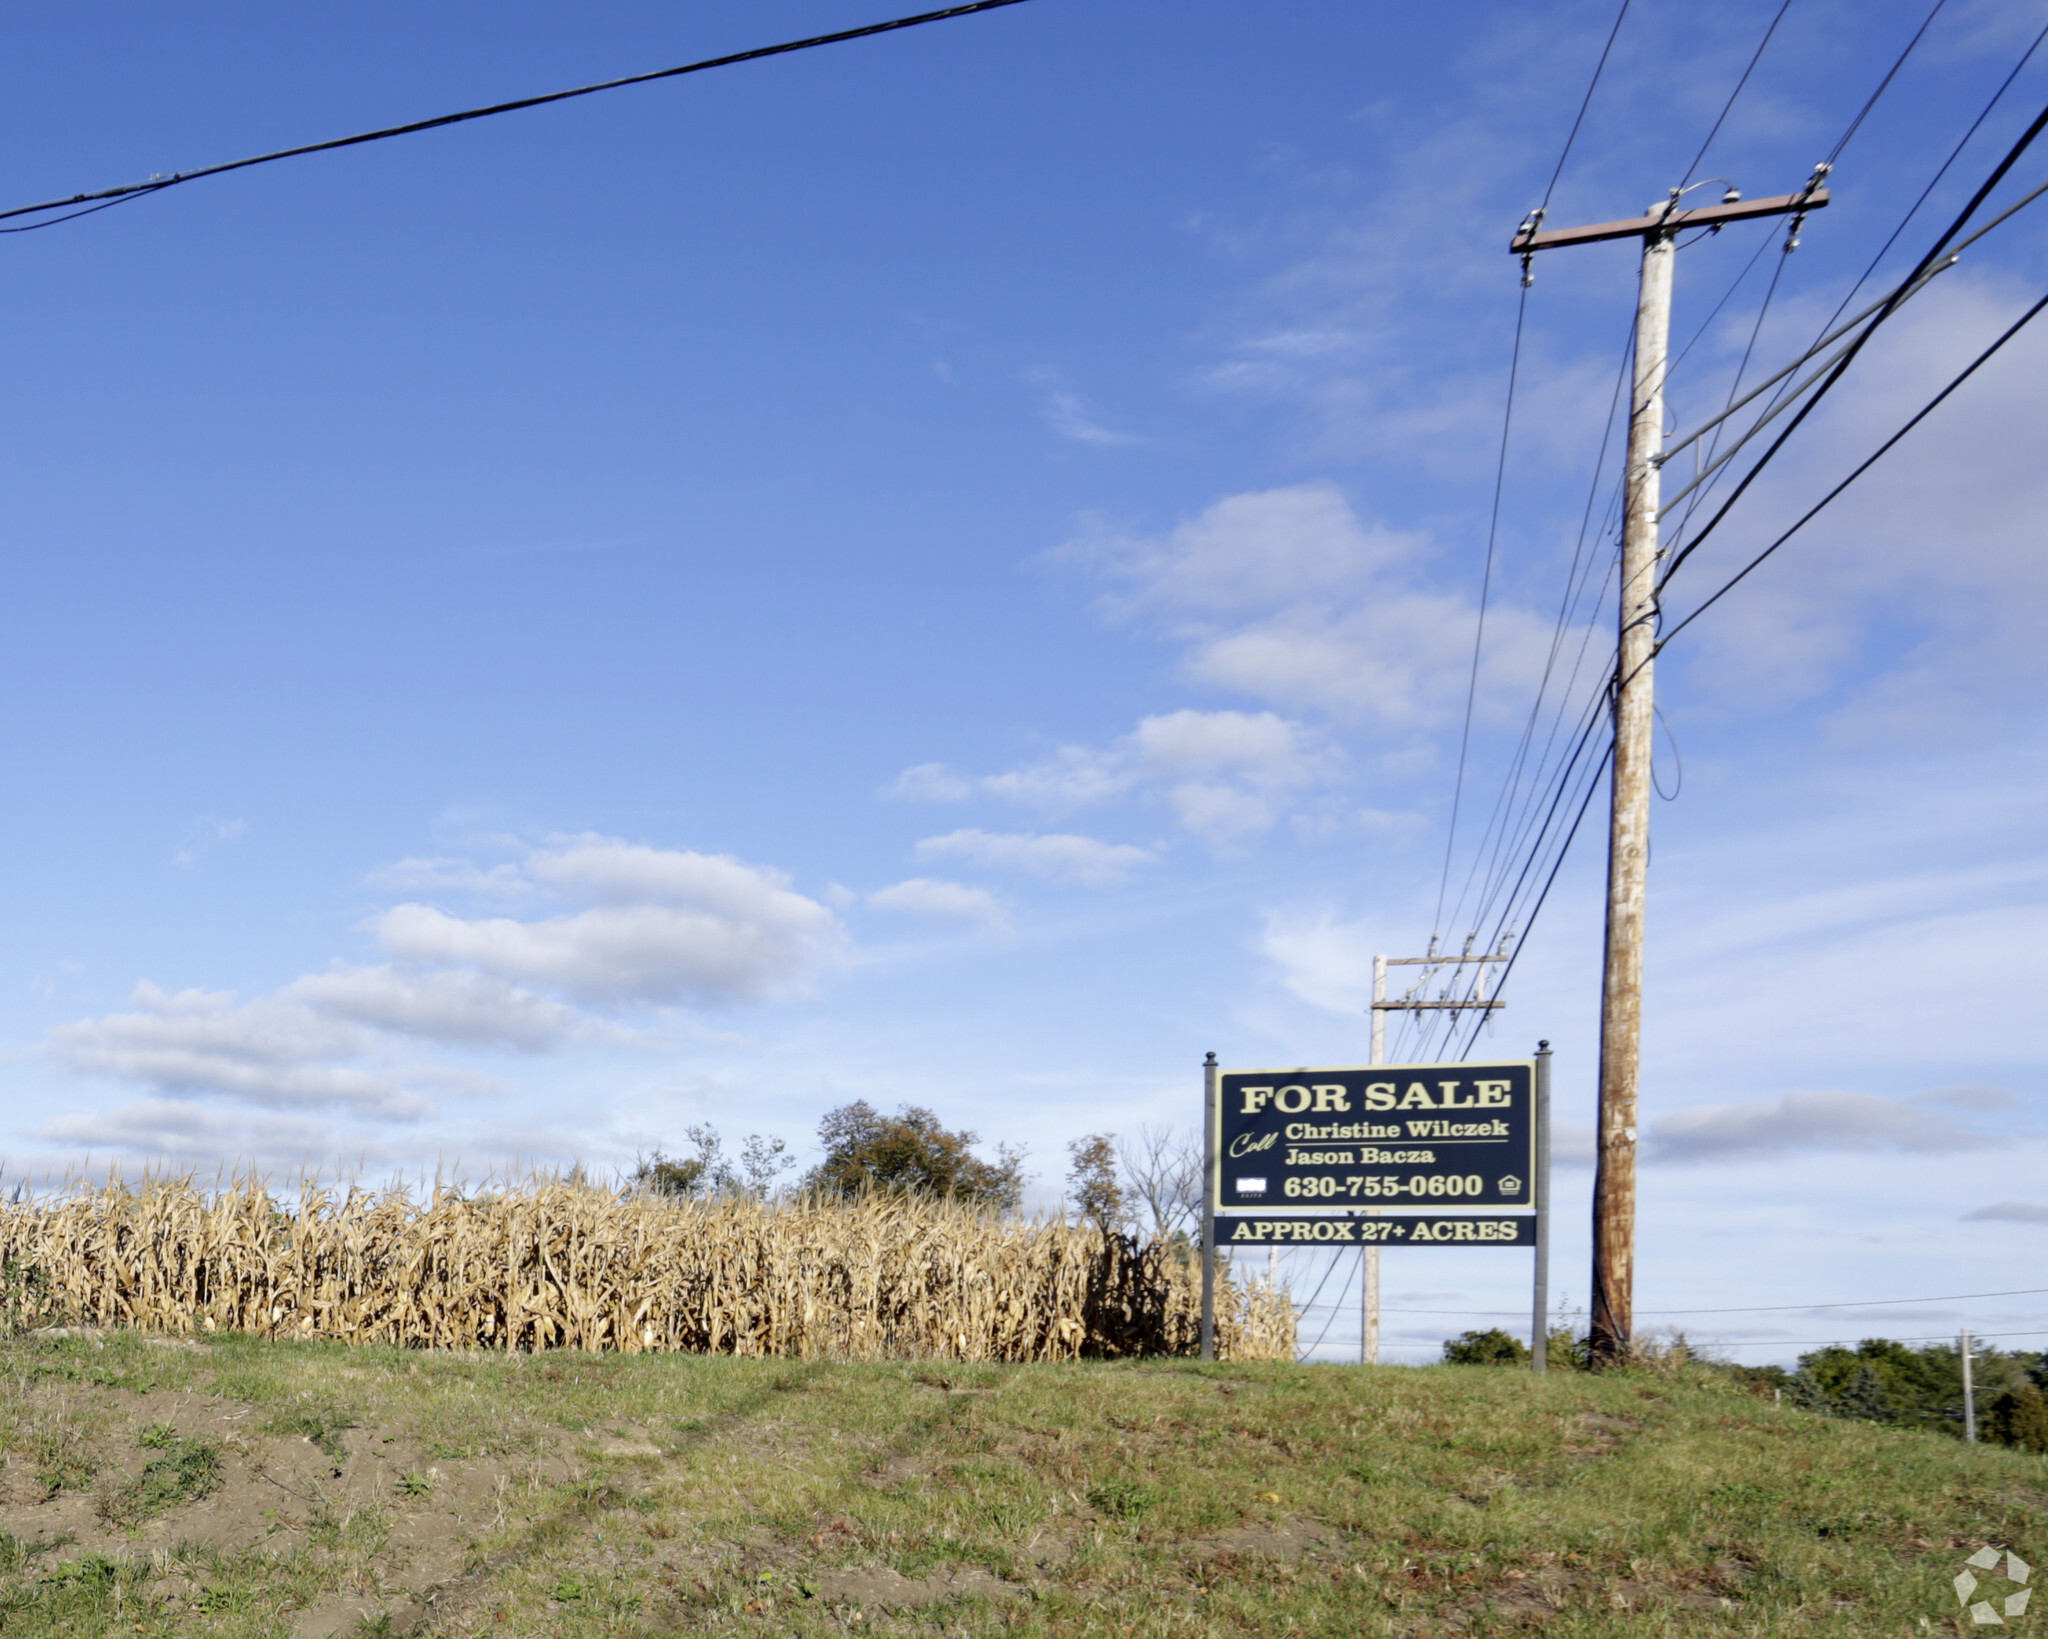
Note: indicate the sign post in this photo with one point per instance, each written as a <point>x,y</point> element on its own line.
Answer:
<point>1539,1323</point>
<point>1210,1075</point>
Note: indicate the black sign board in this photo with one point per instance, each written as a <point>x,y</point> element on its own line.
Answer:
<point>1349,1229</point>
<point>1389,1135</point>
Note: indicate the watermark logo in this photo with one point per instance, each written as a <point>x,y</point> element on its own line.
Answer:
<point>1982,1612</point>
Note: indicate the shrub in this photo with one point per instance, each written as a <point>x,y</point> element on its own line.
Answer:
<point>1492,1347</point>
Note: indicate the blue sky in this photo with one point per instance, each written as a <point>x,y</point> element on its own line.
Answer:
<point>944,570</point>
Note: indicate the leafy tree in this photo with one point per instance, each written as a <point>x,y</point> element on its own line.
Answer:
<point>910,1153</point>
<point>1092,1182</point>
<point>709,1172</point>
<point>1492,1347</point>
<point>2019,1417</point>
<point>1864,1399</point>
<point>1916,1388</point>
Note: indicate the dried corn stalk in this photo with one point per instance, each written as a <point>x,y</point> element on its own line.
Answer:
<point>554,1264</point>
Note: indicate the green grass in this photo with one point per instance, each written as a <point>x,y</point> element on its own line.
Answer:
<point>1161,1498</point>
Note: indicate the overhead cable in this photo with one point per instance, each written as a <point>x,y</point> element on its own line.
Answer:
<point>1891,306</point>
<point>1812,512</point>
<point>1728,106</point>
<point>1768,1308</point>
<point>157,184</point>
<point>1500,475</point>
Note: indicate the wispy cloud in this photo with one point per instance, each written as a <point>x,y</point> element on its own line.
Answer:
<point>930,896</point>
<point>2010,1212</point>
<point>203,836</point>
<point>1057,856</point>
<point>1070,418</point>
<point>616,926</point>
<point>1806,1123</point>
<point>1224,775</point>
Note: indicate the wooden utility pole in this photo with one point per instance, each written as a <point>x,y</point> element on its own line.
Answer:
<point>1628,836</point>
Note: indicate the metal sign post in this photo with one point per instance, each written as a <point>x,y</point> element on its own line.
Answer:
<point>1539,1323</point>
<point>1211,1077</point>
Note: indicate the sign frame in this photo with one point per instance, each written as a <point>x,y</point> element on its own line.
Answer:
<point>1535,1211</point>
<point>1485,1113</point>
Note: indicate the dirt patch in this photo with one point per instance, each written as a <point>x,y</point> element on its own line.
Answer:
<point>1287,1539</point>
<point>879,1588</point>
<point>894,1474</point>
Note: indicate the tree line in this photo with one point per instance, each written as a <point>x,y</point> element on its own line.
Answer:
<point>1147,1183</point>
<point>1878,1380</point>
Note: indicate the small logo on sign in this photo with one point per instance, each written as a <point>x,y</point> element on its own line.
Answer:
<point>1983,1613</point>
<point>1511,1185</point>
<point>1251,1186</point>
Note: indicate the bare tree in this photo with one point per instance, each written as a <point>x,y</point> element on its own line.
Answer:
<point>1163,1173</point>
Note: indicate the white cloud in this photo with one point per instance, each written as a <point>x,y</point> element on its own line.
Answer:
<point>467,1008</point>
<point>1804,1122</point>
<point>1285,595</point>
<point>178,1129</point>
<point>2010,1212</point>
<point>1322,959</point>
<point>272,1053</point>
<point>1223,774</point>
<point>670,926</point>
<point>625,953</point>
<point>929,782</point>
<point>204,835</point>
<point>458,876</point>
<point>928,896</point>
<point>1057,856</point>
<point>1070,418</point>
<point>1248,553</point>
<point>658,926</point>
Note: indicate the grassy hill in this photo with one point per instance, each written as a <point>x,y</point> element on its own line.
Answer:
<point>157,1486</point>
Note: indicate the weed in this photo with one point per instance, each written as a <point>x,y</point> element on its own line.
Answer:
<point>416,1485</point>
<point>322,1426</point>
<point>1122,1499</point>
<point>188,1470</point>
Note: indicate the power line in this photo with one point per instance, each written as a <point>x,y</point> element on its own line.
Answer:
<point>1831,372</point>
<point>1500,474</point>
<point>1585,103</point>
<point>157,184</point>
<point>1883,85</point>
<point>1934,181</point>
<point>1848,1343</point>
<point>1848,357</point>
<point>1500,471</point>
<point>1812,512</point>
<point>1767,1308</point>
<point>1726,107</point>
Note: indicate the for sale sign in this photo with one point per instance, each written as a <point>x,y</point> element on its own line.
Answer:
<point>1389,1135</point>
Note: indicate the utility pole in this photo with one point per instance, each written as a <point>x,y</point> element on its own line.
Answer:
<point>1969,1390</point>
<point>1409,1002</point>
<point>1628,837</point>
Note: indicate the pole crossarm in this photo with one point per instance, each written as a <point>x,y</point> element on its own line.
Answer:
<point>1444,1007</point>
<point>1668,221</point>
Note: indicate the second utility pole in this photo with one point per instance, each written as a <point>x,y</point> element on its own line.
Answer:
<point>1628,835</point>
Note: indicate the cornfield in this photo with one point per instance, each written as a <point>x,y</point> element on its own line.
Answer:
<point>554,1264</point>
